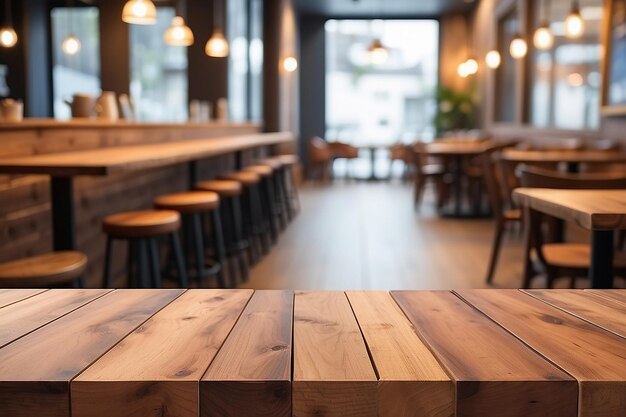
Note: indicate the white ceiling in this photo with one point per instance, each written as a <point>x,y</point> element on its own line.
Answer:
<point>382,8</point>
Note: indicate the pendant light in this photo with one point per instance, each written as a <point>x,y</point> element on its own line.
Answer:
<point>8,37</point>
<point>178,33</point>
<point>139,12</point>
<point>574,23</point>
<point>71,44</point>
<point>290,64</point>
<point>518,47</point>
<point>543,38</point>
<point>217,45</point>
<point>377,52</point>
<point>493,59</point>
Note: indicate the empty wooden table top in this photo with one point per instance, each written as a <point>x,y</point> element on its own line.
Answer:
<point>474,353</point>
<point>565,155</point>
<point>106,161</point>
<point>457,148</point>
<point>591,209</point>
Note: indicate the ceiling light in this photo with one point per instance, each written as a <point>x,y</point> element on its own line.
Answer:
<point>8,37</point>
<point>217,45</point>
<point>139,12</point>
<point>518,47</point>
<point>178,33</point>
<point>574,23</point>
<point>471,65</point>
<point>493,59</point>
<point>290,64</point>
<point>378,54</point>
<point>71,45</point>
<point>462,70</point>
<point>543,38</point>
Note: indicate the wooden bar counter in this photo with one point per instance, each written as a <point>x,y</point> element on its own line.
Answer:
<point>25,196</point>
<point>471,353</point>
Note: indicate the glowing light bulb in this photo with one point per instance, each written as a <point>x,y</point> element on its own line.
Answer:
<point>518,47</point>
<point>139,12</point>
<point>217,45</point>
<point>471,66</point>
<point>71,45</point>
<point>574,24</point>
<point>8,37</point>
<point>543,38</point>
<point>493,59</point>
<point>290,64</point>
<point>178,33</point>
<point>462,70</point>
<point>377,53</point>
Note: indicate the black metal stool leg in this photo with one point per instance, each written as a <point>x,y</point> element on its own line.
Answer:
<point>130,265</point>
<point>155,264</point>
<point>250,224</point>
<point>262,226</point>
<point>281,202</point>
<point>243,263</point>
<point>106,279</point>
<point>220,251</point>
<point>143,264</point>
<point>226,210</point>
<point>198,244</point>
<point>180,260</point>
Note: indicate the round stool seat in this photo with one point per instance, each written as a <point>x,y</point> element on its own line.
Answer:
<point>225,188</point>
<point>247,178</point>
<point>47,270</point>
<point>273,163</point>
<point>141,224</point>
<point>288,160</point>
<point>261,170</point>
<point>189,202</point>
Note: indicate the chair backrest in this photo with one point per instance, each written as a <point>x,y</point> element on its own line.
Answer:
<point>318,150</point>
<point>542,178</point>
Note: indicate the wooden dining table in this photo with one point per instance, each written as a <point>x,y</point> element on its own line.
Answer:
<point>573,158</point>
<point>600,211</point>
<point>63,167</point>
<point>282,353</point>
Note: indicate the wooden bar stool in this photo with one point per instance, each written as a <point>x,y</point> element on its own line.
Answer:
<point>256,229</point>
<point>54,269</point>
<point>193,206</point>
<point>236,245</point>
<point>288,163</point>
<point>268,196</point>
<point>280,191</point>
<point>142,229</point>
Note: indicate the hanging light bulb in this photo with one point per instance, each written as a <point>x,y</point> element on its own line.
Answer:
<point>462,70</point>
<point>178,33</point>
<point>471,65</point>
<point>518,47</point>
<point>71,45</point>
<point>217,45</point>
<point>543,38</point>
<point>493,59</point>
<point>574,23</point>
<point>377,52</point>
<point>8,37</point>
<point>139,12</point>
<point>290,64</point>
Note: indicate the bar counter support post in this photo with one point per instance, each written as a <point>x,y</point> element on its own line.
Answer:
<point>63,221</point>
<point>192,174</point>
<point>238,160</point>
<point>601,270</point>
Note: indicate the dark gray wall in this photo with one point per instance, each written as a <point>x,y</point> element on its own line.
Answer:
<point>114,48</point>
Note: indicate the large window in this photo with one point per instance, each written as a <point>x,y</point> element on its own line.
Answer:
<point>565,80</point>
<point>385,97</point>
<point>507,74</point>
<point>245,61</point>
<point>158,72</point>
<point>78,73</point>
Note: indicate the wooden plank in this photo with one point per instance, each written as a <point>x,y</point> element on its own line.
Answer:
<point>615,295</point>
<point>604,312</point>
<point>156,370</point>
<point>112,160</point>
<point>496,374</point>
<point>251,374</point>
<point>332,372</point>
<point>590,209</point>
<point>595,357</point>
<point>35,370</point>
<point>411,383</point>
<point>10,296</point>
<point>30,314</point>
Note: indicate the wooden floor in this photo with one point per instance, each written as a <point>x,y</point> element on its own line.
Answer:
<point>360,235</point>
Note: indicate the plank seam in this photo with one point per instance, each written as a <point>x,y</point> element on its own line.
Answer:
<point>367,346</point>
<point>26,298</point>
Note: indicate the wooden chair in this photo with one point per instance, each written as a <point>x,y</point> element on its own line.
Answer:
<point>426,171</point>
<point>505,212</point>
<point>404,154</point>
<point>55,269</point>
<point>320,157</point>
<point>562,259</point>
<point>341,150</point>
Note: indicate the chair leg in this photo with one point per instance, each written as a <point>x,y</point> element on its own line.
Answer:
<point>243,263</point>
<point>198,244</point>
<point>220,251</point>
<point>419,191</point>
<point>130,265</point>
<point>154,262</point>
<point>106,279</point>
<point>495,250</point>
<point>179,259</point>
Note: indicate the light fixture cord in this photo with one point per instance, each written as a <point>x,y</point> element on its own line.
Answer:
<point>8,18</point>
<point>182,8</point>
<point>217,15</point>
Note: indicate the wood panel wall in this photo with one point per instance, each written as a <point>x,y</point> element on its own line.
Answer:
<point>25,222</point>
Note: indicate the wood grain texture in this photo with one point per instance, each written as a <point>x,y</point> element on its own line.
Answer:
<point>603,312</point>
<point>10,296</point>
<point>495,374</point>
<point>615,295</point>
<point>251,374</point>
<point>591,209</point>
<point>595,357</point>
<point>411,382</point>
<point>22,318</point>
<point>115,160</point>
<point>531,156</point>
<point>35,371</point>
<point>155,371</point>
<point>332,372</point>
